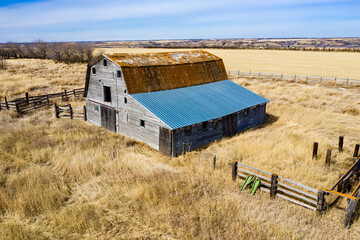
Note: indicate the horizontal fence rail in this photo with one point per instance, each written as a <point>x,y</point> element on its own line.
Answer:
<point>67,111</point>
<point>28,103</point>
<point>294,78</point>
<point>281,187</point>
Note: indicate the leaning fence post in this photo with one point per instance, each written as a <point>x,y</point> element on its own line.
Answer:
<point>85,117</point>
<point>71,111</point>
<point>328,157</point>
<point>6,103</point>
<point>234,170</point>
<point>320,202</point>
<point>274,181</point>
<point>341,143</point>
<point>356,150</point>
<point>315,150</point>
<point>56,111</point>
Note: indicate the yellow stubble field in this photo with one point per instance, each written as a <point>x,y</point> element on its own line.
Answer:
<point>325,64</point>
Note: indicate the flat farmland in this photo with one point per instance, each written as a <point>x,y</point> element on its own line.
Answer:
<point>326,64</point>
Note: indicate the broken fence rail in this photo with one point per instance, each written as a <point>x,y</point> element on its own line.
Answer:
<point>67,111</point>
<point>281,187</point>
<point>294,78</point>
<point>28,103</point>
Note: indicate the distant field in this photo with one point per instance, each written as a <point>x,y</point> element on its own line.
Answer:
<point>327,64</point>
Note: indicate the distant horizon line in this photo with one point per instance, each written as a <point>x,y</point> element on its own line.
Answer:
<point>179,39</point>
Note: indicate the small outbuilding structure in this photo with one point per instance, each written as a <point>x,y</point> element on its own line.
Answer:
<point>168,99</point>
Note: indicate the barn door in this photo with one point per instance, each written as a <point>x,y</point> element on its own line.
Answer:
<point>165,141</point>
<point>230,125</point>
<point>108,118</point>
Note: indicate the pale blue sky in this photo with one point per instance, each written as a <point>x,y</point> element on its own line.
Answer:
<point>90,20</point>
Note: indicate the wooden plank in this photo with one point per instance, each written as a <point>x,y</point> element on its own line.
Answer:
<point>253,168</point>
<point>255,174</point>
<point>297,190</point>
<point>295,201</point>
<point>295,195</point>
<point>299,185</point>
<point>347,174</point>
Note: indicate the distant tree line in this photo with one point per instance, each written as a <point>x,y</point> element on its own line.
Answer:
<point>59,52</point>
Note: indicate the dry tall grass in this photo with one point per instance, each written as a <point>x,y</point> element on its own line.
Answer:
<point>327,64</point>
<point>39,76</point>
<point>67,179</point>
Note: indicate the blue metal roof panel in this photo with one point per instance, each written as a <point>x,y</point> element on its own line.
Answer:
<point>182,107</point>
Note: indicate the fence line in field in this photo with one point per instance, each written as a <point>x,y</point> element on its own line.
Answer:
<point>67,111</point>
<point>281,187</point>
<point>27,103</point>
<point>294,78</point>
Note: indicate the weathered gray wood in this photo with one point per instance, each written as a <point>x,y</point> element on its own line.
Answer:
<point>350,210</point>
<point>295,201</point>
<point>298,185</point>
<point>328,157</point>
<point>356,151</point>
<point>253,168</point>
<point>320,207</point>
<point>295,195</point>
<point>252,173</point>
<point>299,191</point>
<point>315,150</point>
<point>341,143</point>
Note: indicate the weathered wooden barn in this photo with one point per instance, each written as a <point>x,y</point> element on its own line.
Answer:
<point>168,99</point>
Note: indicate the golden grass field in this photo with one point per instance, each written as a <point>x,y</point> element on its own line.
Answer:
<point>67,179</point>
<point>324,64</point>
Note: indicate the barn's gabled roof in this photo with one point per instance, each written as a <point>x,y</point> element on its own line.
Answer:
<point>190,105</point>
<point>149,72</point>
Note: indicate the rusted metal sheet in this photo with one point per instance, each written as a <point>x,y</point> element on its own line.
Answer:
<point>157,78</point>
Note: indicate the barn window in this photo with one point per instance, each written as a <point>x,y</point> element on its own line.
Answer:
<point>142,123</point>
<point>105,62</point>
<point>204,125</point>
<point>125,100</point>
<point>188,130</point>
<point>107,94</point>
<point>246,111</point>
<point>118,73</point>
<point>96,108</point>
<point>215,123</point>
<point>94,70</point>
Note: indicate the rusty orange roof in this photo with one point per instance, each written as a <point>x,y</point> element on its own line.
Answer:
<point>161,58</point>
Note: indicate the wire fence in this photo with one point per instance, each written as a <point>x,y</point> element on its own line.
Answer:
<point>294,78</point>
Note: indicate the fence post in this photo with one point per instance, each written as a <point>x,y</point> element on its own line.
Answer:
<point>27,97</point>
<point>85,117</point>
<point>320,202</point>
<point>306,79</point>
<point>238,72</point>
<point>347,81</point>
<point>315,150</point>
<point>320,79</point>
<point>341,143</point>
<point>295,78</point>
<point>17,109</point>
<point>349,212</point>
<point>214,161</point>
<point>6,103</point>
<point>335,79</point>
<point>234,171</point>
<point>56,111</point>
<point>71,111</point>
<point>356,151</point>
<point>48,99</point>
<point>328,157</point>
<point>273,188</point>
<point>74,93</point>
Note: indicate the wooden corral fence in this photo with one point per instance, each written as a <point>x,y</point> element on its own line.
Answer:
<point>281,187</point>
<point>28,103</point>
<point>294,78</point>
<point>67,111</point>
